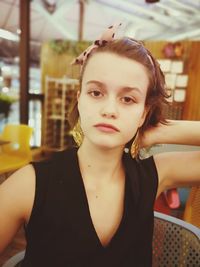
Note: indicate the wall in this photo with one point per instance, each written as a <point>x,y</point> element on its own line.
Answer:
<point>192,104</point>
<point>192,63</point>
<point>56,65</point>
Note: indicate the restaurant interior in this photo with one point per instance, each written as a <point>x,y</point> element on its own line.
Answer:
<point>38,86</point>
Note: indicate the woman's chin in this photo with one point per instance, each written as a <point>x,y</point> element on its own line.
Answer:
<point>107,145</point>
<point>103,143</point>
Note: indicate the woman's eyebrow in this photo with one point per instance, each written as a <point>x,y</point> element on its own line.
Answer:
<point>96,82</point>
<point>128,89</point>
<point>125,89</point>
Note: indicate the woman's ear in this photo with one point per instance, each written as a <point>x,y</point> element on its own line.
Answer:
<point>77,99</point>
<point>78,95</point>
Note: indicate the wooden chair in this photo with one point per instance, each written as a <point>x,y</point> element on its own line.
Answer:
<point>192,207</point>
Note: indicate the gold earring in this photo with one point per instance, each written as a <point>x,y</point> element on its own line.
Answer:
<point>77,133</point>
<point>135,147</point>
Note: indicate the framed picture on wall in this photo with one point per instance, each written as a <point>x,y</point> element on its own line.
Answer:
<point>181,80</point>
<point>165,64</point>
<point>170,79</point>
<point>177,67</point>
<point>179,95</point>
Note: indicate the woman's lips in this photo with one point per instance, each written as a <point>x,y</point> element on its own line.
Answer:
<point>107,128</point>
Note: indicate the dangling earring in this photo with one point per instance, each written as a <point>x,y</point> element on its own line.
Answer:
<point>135,147</point>
<point>132,146</point>
<point>77,133</point>
<point>126,149</point>
<point>128,146</point>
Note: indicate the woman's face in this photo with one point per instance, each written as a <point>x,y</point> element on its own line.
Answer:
<point>113,92</point>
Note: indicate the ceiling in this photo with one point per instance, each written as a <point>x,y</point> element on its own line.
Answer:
<point>171,20</point>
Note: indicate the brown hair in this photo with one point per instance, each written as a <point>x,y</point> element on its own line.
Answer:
<point>156,94</point>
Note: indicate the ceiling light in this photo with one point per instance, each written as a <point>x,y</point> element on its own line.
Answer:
<point>8,35</point>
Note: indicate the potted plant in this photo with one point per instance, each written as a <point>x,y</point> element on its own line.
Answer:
<point>5,104</point>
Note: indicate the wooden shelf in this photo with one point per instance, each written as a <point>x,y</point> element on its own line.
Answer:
<point>59,95</point>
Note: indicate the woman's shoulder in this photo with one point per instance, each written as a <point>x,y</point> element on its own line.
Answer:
<point>21,186</point>
<point>143,174</point>
<point>20,179</point>
<point>55,164</point>
<point>143,163</point>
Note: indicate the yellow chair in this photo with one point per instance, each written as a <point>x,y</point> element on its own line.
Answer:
<point>17,152</point>
<point>192,208</point>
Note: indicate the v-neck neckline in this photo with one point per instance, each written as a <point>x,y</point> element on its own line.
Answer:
<point>88,213</point>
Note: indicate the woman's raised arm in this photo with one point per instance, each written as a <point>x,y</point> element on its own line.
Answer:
<point>176,169</point>
<point>175,132</point>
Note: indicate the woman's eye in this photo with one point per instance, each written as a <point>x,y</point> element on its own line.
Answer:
<point>95,93</point>
<point>127,100</point>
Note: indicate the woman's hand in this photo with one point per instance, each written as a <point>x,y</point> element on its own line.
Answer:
<point>150,136</point>
<point>175,132</point>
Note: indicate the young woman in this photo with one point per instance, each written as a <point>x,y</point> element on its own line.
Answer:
<point>93,205</point>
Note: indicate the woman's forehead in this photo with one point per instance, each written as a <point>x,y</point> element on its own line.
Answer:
<point>109,67</point>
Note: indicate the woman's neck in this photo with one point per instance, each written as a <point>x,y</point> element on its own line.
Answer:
<point>100,164</point>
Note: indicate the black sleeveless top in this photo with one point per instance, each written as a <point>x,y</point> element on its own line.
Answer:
<point>60,232</point>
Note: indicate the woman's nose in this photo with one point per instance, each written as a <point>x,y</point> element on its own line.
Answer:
<point>110,109</point>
